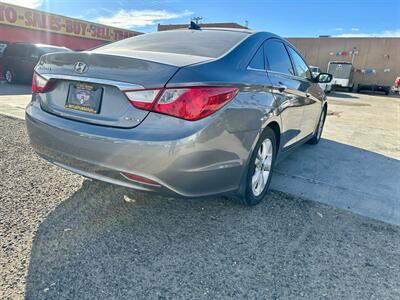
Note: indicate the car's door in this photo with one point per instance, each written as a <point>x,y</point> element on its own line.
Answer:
<point>286,91</point>
<point>312,92</point>
<point>31,59</point>
<point>9,56</point>
<point>17,61</point>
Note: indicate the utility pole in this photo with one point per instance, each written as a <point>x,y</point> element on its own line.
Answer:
<point>197,19</point>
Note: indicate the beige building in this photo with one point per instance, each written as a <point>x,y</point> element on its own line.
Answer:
<point>376,60</point>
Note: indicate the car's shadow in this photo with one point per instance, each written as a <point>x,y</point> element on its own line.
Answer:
<point>110,242</point>
<point>343,176</point>
<point>342,95</point>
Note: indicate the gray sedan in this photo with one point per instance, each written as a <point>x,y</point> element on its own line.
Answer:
<point>191,113</point>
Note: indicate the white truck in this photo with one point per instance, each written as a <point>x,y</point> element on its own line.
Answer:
<point>342,73</point>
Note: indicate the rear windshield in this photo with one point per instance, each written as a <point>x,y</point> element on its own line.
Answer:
<point>207,43</point>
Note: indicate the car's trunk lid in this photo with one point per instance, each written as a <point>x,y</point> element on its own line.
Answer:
<point>111,75</point>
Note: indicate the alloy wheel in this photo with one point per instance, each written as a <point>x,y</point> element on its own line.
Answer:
<point>262,163</point>
<point>9,76</point>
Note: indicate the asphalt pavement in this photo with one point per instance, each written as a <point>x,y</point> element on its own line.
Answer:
<point>355,167</point>
<point>65,237</point>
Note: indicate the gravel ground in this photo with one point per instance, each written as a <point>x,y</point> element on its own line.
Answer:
<point>29,190</point>
<point>63,237</point>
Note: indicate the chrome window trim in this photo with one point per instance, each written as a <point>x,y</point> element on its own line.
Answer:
<point>255,69</point>
<point>289,75</point>
<point>123,86</point>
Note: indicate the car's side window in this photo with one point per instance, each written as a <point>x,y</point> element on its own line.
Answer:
<point>277,57</point>
<point>20,51</point>
<point>9,52</point>
<point>35,52</point>
<point>257,61</point>
<point>300,66</point>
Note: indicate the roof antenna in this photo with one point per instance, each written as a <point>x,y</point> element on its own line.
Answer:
<point>194,23</point>
<point>194,26</point>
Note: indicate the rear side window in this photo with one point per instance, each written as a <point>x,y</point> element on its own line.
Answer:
<point>278,58</point>
<point>3,47</point>
<point>258,60</point>
<point>207,43</point>
<point>10,50</point>
<point>299,64</point>
<point>20,51</point>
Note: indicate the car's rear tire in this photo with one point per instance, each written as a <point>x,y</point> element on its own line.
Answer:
<point>260,168</point>
<point>320,127</point>
<point>9,76</point>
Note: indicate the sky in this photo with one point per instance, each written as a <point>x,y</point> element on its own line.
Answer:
<point>288,18</point>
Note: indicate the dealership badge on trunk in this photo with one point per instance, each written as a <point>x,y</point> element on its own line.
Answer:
<point>83,96</point>
<point>80,67</point>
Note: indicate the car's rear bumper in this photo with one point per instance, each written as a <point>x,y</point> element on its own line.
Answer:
<point>186,158</point>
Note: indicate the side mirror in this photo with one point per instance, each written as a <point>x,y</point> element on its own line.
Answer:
<point>324,78</point>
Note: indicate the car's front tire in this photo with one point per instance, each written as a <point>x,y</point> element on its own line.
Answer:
<point>320,126</point>
<point>260,168</point>
<point>9,76</point>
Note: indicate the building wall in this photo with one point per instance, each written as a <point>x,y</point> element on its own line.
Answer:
<point>12,34</point>
<point>21,24</point>
<point>377,54</point>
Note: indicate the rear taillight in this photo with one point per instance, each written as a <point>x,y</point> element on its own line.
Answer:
<point>40,84</point>
<point>191,104</point>
<point>143,99</point>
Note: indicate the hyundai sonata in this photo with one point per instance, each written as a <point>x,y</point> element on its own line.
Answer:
<point>191,112</point>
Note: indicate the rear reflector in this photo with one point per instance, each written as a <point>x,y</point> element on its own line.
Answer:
<point>191,104</point>
<point>40,84</point>
<point>140,179</point>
